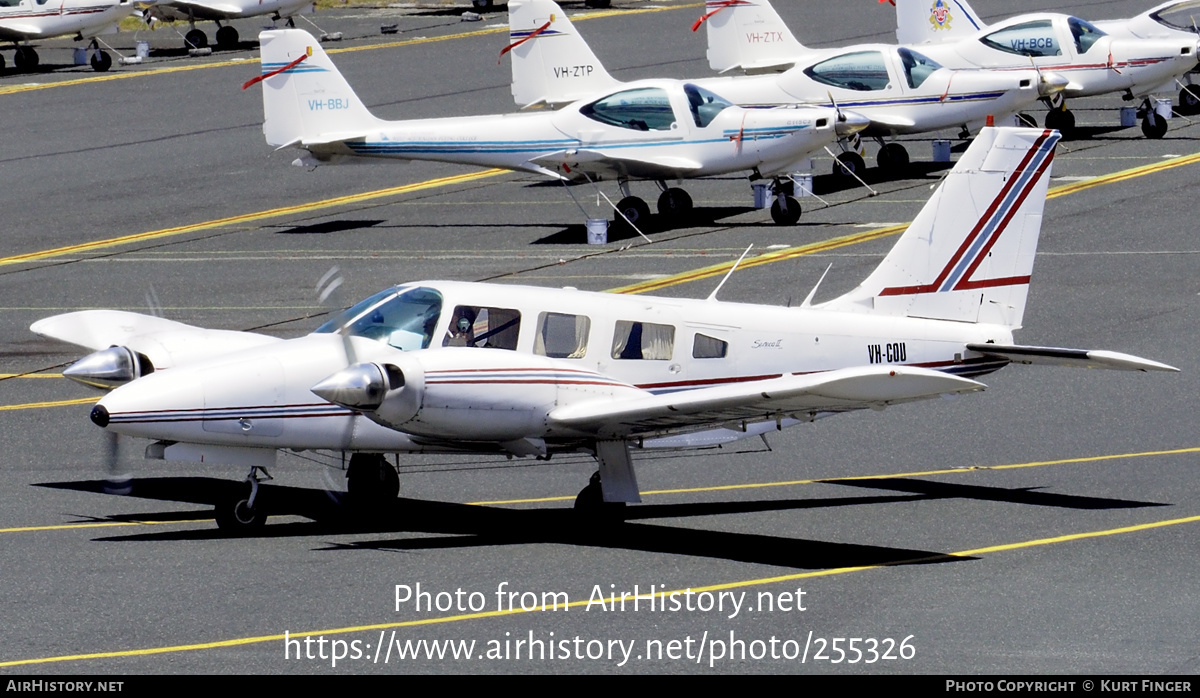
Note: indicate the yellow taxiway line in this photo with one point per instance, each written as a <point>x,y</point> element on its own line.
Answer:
<point>53,403</point>
<point>108,77</point>
<point>974,552</point>
<point>924,473</point>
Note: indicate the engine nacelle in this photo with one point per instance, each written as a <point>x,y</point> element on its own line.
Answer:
<point>109,368</point>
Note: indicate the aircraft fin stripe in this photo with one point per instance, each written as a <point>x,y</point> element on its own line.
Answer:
<point>991,224</point>
<point>718,6</point>
<point>523,39</point>
<point>272,73</point>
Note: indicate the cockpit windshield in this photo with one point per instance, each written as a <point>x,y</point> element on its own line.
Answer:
<point>1086,34</point>
<point>704,104</point>
<point>403,317</point>
<point>1180,16</point>
<point>916,66</point>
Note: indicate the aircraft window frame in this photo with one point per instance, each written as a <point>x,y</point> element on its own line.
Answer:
<point>554,328</point>
<point>10,3</point>
<point>1032,52</point>
<point>706,347</point>
<point>644,115</point>
<point>1084,32</point>
<point>478,332</point>
<point>704,104</point>
<point>841,72</point>
<point>655,342</point>
<point>1158,17</point>
<point>917,66</point>
<point>376,317</point>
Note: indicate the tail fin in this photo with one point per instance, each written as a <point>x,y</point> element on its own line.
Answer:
<point>551,63</point>
<point>305,99</point>
<point>934,21</point>
<point>748,35</point>
<point>969,254</point>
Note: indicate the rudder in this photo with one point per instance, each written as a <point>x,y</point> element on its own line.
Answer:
<point>748,35</point>
<point>551,63</point>
<point>935,21</point>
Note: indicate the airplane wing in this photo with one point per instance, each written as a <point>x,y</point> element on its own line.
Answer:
<point>165,342</point>
<point>600,162</point>
<point>19,32</point>
<point>1079,358</point>
<point>756,401</point>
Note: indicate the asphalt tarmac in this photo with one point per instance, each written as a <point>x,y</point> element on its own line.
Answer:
<point>1048,525</point>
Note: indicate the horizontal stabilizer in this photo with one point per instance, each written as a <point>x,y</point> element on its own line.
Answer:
<point>832,391</point>
<point>1080,358</point>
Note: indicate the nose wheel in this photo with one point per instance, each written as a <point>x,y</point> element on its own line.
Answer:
<point>849,163</point>
<point>1061,120</point>
<point>372,480</point>
<point>893,159</point>
<point>243,515</point>
<point>674,204</point>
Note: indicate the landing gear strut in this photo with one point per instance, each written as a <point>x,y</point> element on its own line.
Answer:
<point>1154,126</point>
<point>244,514</point>
<point>785,210</point>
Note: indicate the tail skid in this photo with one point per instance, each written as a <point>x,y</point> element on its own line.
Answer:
<point>968,255</point>
<point>306,101</point>
<point>551,63</point>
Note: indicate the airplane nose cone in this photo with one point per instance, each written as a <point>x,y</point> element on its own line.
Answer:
<point>100,416</point>
<point>358,387</point>
<point>851,122</point>
<point>1051,83</point>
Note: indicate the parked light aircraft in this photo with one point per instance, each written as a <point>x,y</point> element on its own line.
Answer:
<point>1129,62</point>
<point>899,90</point>
<point>31,20</point>
<point>653,129</point>
<point>224,11</point>
<point>442,366</point>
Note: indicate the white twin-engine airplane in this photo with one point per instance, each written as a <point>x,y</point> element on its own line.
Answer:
<point>219,11</point>
<point>652,129</point>
<point>32,20</point>
<point>441,366</point>
<point>1136,60</point>
<point>900,90</point>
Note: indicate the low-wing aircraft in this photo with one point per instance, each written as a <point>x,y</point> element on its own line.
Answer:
<point>1170,20</point>
<point>900,90</point>
<point>1133,61</point>
<point>22,21</point>
<point>219,11</point>
<point>652,129</point>
<point>444,366</point>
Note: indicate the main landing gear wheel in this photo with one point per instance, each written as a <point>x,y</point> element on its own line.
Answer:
<point>227,37</point>
<point>195,39</point>
<point>892,158</point>
<point>591,505</point>
<point>674,204</point>
<point>788,216</point>
<point>635,210</point>
<point>371,479</point>
<point>849,163</point>
<point>1061,120</point>
<point>101,61</point>
<point>1,62</point>
<point>1189,99</point>
<point>25,59</point>
<point>598,3</point>
<point>1154,125</point>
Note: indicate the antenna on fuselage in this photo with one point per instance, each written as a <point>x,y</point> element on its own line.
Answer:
<point>807,302</point>
<point>713,296</point>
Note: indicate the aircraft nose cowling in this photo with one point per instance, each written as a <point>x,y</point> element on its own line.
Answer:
<point>850,122</point>
<point>1050,83</point>
<point>109,368</point>
<point>358,387</point>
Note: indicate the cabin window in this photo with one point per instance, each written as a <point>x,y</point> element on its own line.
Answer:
<point>1085,34</point>
<point>863,71</point>
<point>402,317</point>
<point>562,336</point>
<point>642,109</point>
<point>705,347</point>
<point>917,68</point>
<point>643,340</point>
<point>488,328</point>
<point>1028,39</point>
<point>704,104</point>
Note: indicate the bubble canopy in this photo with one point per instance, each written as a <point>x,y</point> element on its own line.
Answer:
<point>403,317</point>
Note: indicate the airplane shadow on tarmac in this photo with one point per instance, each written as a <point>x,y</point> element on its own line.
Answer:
<point>470,526</point>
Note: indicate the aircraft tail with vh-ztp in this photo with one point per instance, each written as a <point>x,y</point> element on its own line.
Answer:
<point>306,101</point>
<point>968,256</point>
<point>551,63</point>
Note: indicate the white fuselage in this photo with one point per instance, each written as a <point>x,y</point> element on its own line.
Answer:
<point>566,142</point>
<point>545,349</point>
<point>194,10</point>
<point>30,20</point>
<point>1094,65</point>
